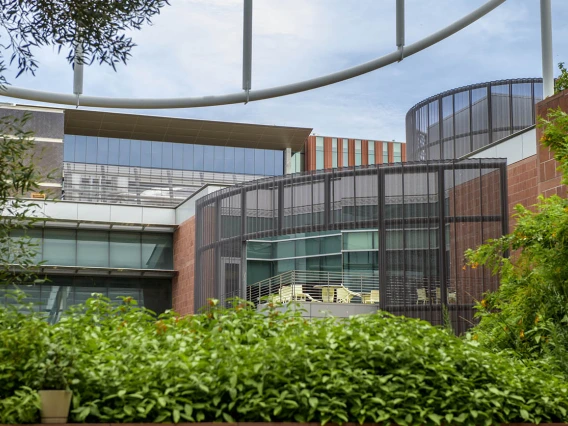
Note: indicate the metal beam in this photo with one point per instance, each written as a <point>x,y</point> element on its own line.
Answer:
<point>256,95</point>
<point>546,41</point>
<point>78,71</point>
<point>247,44</point>
<point>400,26</point>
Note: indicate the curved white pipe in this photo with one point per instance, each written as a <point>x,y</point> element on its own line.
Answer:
<point>253,95</point>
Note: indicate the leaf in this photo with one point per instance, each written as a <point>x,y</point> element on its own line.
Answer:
<point>435,418</point>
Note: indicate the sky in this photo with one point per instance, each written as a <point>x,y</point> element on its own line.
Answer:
<point>194,48</point>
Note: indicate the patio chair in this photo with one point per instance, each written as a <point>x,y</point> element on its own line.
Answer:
<point>372,297</point>
<point>299,295</point>
<point>344,295</point>
<point>285,294</point>
<point>327,294</point>
<point>421,296</point>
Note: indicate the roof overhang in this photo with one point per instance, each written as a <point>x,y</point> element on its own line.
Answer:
<point>183,130</point>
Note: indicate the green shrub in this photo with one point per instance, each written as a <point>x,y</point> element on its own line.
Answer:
<point>22,407</point>
<point>240,365</point>
<point>527,317</point>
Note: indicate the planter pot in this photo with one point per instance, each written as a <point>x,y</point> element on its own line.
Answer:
<point>55,405</point>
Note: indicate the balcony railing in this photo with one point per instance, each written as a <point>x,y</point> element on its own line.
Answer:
<point>341,287</point>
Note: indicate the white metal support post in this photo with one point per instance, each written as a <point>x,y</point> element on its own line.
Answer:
<point>546,40</point>
<point>247,47</point>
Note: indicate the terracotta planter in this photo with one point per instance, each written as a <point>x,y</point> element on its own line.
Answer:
<point>55,405</point>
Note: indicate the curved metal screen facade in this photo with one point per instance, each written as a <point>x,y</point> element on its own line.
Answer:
<point>454,123</point>
<point>458,204</point>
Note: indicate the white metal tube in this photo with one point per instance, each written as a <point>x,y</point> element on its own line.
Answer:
<point>254,95</point>
<point>247,44</point>
<point>546,42</point>
<point>78,70</point>
<point>399,24</point>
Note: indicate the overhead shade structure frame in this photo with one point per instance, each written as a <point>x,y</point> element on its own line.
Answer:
<point>256,95</point>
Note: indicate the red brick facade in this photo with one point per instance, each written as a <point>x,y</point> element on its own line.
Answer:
<point>548,176</point>
<point>310,152</point>
<point>184,263</point>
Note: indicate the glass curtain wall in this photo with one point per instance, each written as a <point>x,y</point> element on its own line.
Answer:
<point>102,249</point>
<point>59,292</point>
<point>424,217</point>
<point>175,156</point>
<point>457,122</point>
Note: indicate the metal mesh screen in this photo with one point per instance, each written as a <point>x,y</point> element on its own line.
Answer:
<point>426,214</point>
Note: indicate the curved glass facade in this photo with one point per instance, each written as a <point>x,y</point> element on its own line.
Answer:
<point>408,224</point>
<point>454,123</point>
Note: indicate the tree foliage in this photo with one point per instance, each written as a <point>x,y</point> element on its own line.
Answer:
<point>528,315</point>
<point>561,82</point>
<point>124,364</point>
<point>99,25</point>
<point>18,177</point>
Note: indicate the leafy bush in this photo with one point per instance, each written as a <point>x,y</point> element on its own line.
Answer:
<point>527,317</point>
<point>22,407</point>
<point>561,82</point>
<point>240,365</point>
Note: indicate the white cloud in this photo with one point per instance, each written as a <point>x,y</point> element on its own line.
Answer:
<point>194,49</point>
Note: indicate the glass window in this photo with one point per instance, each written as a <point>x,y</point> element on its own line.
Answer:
<point>360,240</point>
<point>249,161</point>
<point>259,250</point>
<point>92,248</point>
<point>334,152</point>
<point>269,162</point>
<point>285,249</point>
<point>125,250</point>
<point>124,152</point>
<point>385,152</point>
<point>371,152</point>
<point>177,152</point>
<point>229,160</point>
<point>363,261</point>
<point>167,161</point>
<point>259,161</point>
<point>135,153</point>
<point>102,150</point>
<point>208,158</point>
<point>91,150</point>
<point>69,148</point>
<point>397,152</point>
<point>308,247</point>
<point>59,247</point>
<point>331,245</point>
<point>156,155</point>
<point>187,157</point>
<point>80,149</point>
<point>258,271</point>
<point>146,154</point>
<point>357,152</point>
<point>219,158</point>
<point>284,265</point>
<point>113,151</point>
<point>157,251</point>
<point>239,160</point>
<point>278,163</point>
<point>197,157</point>
<point>35,239</point>
<point>345,152</point>
<point>319,153</point>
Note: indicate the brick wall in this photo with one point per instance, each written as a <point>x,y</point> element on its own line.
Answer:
<point>522,184</point>
<point>184,262</point>
<point>548,176</point>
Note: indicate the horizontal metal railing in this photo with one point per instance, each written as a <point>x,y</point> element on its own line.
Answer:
<point>341,287</point>
<point>316,286</point>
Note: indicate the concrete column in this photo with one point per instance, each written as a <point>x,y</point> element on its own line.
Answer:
<point>287,161</point>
